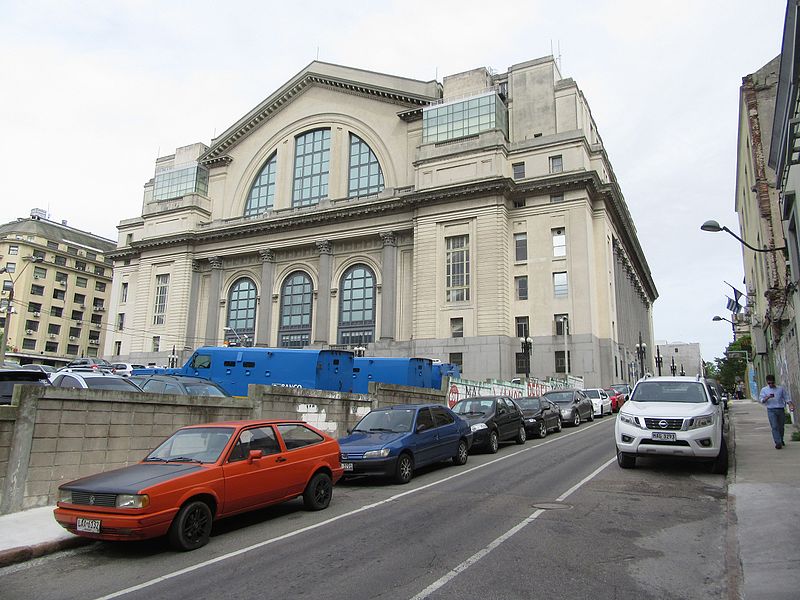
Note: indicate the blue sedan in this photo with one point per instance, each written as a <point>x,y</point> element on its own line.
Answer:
<point>393,441</point>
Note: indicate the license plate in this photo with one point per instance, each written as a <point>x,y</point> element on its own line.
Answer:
<point>88,525</point>
<point>664,437</point>
<point>347,466</point>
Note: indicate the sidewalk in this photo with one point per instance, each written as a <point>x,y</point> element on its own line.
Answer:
<point>764,495</point>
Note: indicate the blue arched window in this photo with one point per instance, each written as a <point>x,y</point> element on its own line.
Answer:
<point>241,320</point>
<point>262,194</point>
<point>366,176</point>
<point>312,153</point>
<point>357,306</point>
<point>294,330</point>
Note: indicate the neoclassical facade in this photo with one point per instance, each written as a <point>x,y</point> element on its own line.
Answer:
<point>357,209</point>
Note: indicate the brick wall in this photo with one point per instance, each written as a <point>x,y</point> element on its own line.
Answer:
<point>53,435</point>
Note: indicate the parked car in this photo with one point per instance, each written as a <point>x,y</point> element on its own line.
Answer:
<point>678,417</point>
<point>125,369</point>
<point>573,405</point>
<point>541,415</point>
<point>90,362</point>
<point>395,440</point>
<point>202,473</point>
<point>617,398</point>
<point>37,367</point>
<point>94,380</point>
<point>600,401</point>
<point>493,419</point>
<point>177,384</point>
<point>11,377</point>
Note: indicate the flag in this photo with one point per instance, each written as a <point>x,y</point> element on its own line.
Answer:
<point>733,306</point>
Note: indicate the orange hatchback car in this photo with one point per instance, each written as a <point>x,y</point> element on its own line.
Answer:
<point>199,474</point>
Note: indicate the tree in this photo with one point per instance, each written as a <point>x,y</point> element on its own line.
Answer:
<point>710,370</point>
<point>733,366</point>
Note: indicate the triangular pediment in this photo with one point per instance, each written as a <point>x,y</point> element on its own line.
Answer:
<point>408,94</point>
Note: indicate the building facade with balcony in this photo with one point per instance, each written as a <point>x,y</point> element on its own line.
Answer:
<point>353,208</point>
<point>61,279</point>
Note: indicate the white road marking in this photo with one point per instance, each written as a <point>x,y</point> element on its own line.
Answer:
<point>356,511</point>
<point>480,554</point>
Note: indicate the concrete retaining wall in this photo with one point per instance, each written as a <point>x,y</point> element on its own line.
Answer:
<point>52,435</point>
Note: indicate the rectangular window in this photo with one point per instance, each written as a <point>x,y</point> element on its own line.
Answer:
<point>99,271</point>
<point>457,267</point>
<point>156,343</point>
<point>34,307</point>
<point>456,358</point>
<point>51,346</point>
<point>556,164</point>
<point>560,361</point>
<point>13,249</point>
<point>74,332</point>
<point>37,290</point>
<point>37,253</point>
<point>39,272</point>
<point>560,286</point>
<point>72,250</point>
<point>520,247</point>
<point>61,278</point>
<point>463,118</point>
<point>60,261</point>
<point>28,344</point>
<point>54,329</point>
<point>560,321</point>
<point>79,298</point>
<point>59,294</point>
<point>91,255</point>
<point>56,311</point>
<point>522,327</point>
<point>80,265</point>
<point>31,325</point>
<point>160,307</point>
<point>81,282</point>
<point>77,315</point>
<point>99,286</point>
<point>123,293</point>
<point>519,170</point>
<point>556,198</point>
<point>457,327</point>
<point>117,348</point>
<point>559,242</point>
<point>521,287</point>
<point>120,321</point>
<point>11,267</point>
<point>52,245</point>
<point>521,363</point>
<point>520,202</point>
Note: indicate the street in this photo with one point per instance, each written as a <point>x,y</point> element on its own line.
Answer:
<point>555,518</point>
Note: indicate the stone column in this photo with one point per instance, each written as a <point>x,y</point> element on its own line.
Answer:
<point>264,314</point>
<point>193,315</point>
<point>212,320</point>
<point>389,287</point>
<point>323,309</point>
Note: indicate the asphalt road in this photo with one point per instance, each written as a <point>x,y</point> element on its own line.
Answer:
<point>555,518</point>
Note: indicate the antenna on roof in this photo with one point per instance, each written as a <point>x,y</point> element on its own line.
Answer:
<point>317,52</point>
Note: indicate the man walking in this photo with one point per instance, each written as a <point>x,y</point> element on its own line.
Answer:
<point>775,398</point>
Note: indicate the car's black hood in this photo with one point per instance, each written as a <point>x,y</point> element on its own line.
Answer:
<point>473,419</point>
<point>531,412</point>
<point>132,479</point>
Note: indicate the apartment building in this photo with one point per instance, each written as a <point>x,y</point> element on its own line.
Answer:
<point>354,209</point>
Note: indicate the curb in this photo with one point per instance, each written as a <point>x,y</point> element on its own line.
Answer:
<point>24,553</point>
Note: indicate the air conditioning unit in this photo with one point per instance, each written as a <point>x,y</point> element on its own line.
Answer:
<point>78,322</point>
<point>101,309</point>
<point>82,306</point>
<point>37,314</point>
<point>62,283</point>
<point>37,277</point>
<point>29,331</point>
<point>94,342</point>
<point>72,338</point>
<point>52,336</point>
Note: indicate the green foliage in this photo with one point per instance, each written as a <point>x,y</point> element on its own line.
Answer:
<point>710,369</point>
<point>733,366</point>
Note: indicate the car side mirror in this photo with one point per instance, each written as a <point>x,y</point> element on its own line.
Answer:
<point>714,400</point>
<point>254,456</point>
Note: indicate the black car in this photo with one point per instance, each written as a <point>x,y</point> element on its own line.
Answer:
<point>541,415</point>
<point>573,404</point>
<point>11,377</point>
<point>178,384</point>
<point>493,419</point>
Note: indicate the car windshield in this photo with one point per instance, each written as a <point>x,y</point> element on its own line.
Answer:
<point>198,444</point>
<point>110,383</point>
<point>528,403</point>
<point>474,406</point>
<point>389,420</point>
<point>559,397</point>
<point>669,391</point>
<point>592,393</point>
<point>204,389</point>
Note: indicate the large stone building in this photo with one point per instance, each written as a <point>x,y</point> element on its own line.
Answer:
<point>59,280</point>
<point>413,218</point>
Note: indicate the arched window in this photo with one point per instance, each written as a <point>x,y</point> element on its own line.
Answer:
<point>294,330</point>
<point>241,320</point>
<point>262,194</point>
<point>366,176</point>
<point>312,152</point>
<point>357,306</point>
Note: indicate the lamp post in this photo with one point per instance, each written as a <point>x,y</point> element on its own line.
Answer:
<point>10,305</point>
<point>715,227</point>
<point>565,327</point>
<point>733,325</point>
<point>659,360</point>
<point>359,351</point>
<point>242,342</point>
<point>641,350</point>
<point>672,367</point>
<point>527,350</point>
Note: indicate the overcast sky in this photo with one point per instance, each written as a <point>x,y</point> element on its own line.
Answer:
<point>94,91</point>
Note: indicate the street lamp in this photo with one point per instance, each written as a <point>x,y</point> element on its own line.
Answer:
<point>359,351</point>
<point>672,367</point>
<point>242,340</point>
<point>527,350</point>
<point>715,227</point>
<point>10,305</point>
<point>733,325</point>
<point>641,350</point>
<point>659,360</point>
